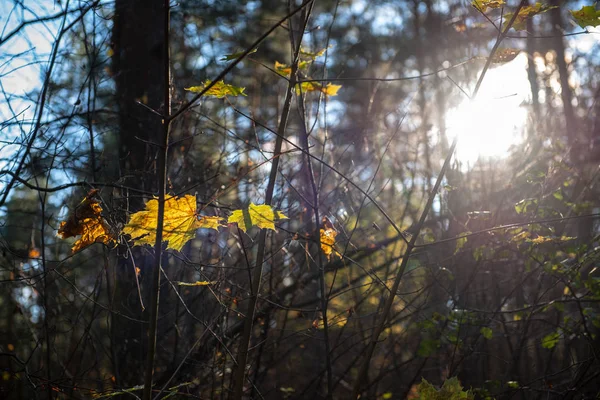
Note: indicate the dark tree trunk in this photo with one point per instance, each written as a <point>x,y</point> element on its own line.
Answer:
<point>138,67</point>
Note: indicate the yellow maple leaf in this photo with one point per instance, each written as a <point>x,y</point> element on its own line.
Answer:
<point>261,215</point>
<point>179,226</point>
<point>86,221</point>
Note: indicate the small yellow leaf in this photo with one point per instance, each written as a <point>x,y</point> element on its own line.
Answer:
<point>286,70</point>
<point>218,90</point>
<point>197,283</point>
<point>179,226</point>
<point>329,90</point>
<point>261,215</point>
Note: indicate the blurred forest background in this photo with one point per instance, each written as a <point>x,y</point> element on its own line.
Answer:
<point>502,286</point>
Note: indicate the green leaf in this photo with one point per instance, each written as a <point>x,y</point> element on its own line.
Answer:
<point>450,390</point>
<point>558,195</point>
<point>218,90</point>
<point>549,341</point>
<point>235,56</point>
<point>487,332</point>
<point>483,5</point>
<point>512,384</point>
<point>460,242</point>
<point>525,13</point>
<point>428,347</point>
<point>587,16</point>
<point>522,206</point>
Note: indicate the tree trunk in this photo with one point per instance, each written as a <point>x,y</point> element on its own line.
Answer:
<point>138,67</point>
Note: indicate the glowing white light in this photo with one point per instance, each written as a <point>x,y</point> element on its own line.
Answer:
<point>488,126</point>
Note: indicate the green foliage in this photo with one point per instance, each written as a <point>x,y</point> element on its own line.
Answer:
<point>487,332</point>
<point>525,205</point>
<point>586,16</point>
<point>551,340</point>
<point>450,390</point>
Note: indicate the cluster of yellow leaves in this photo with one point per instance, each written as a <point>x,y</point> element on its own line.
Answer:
<point>181,219</point>
<point>262,216</point>
<point>218,90</point>
<point>86,221</point>
<point>328,90</point>
<point>180,222</point>
<point>307,57</point>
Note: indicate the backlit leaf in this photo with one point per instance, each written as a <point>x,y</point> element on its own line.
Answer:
<point>526,12</point>
<point>312,55</point>
<point>329,90</point>
<point>286,70</point>
<point>587,16</point>
<point>487,332</point>
<point>261,215</point>
<point>483,5</point>
<point>505,55</point>
<point>461,241</point>
<point>327,238</point>
<point>218,90</point>
<point>87,222</point>
<point>551,340</point>
<point>235,56</point>
<point>197,283</point>
<point>180,222</point>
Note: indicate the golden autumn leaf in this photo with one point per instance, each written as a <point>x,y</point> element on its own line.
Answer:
<point>86,221</point>
<point>327,238</point>
<point>180,222</point>
<point>261,215</point>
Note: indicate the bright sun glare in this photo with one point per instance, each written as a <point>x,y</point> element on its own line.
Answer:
<point>488,126</point>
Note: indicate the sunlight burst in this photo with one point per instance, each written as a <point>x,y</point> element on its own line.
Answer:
<point>490,125</point>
